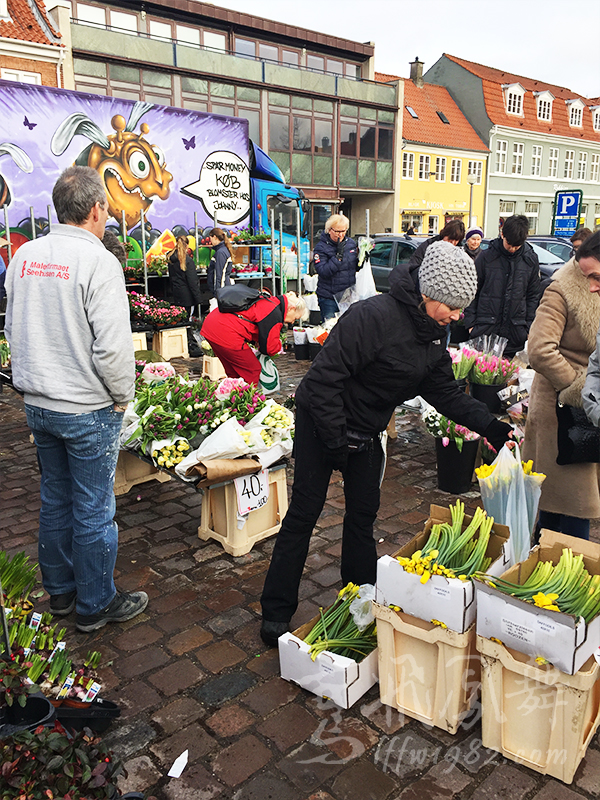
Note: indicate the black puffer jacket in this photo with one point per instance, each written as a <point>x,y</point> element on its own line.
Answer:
<point>381,352</point>
<point>419,254</point>
<point>335,275</point>
<point>185,286</point>
<point>508,293</point>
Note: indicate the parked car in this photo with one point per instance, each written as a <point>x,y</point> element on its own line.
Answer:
<point>549,262</point>
<point>554,244</point>
<point>388,251</point>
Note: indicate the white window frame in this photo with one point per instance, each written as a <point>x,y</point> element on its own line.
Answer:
<point>532,212</point>
<point>456,170</point>
<point>569,164</point>
<point>501,156</point>
<point>408,166</point>
<point>424,167</point>
<point>595,168</point>
<point>575,112</point>
<point>504,209</point>
<point>517,158</point>
<point>476,168</point>
<point>596,117</point>
<point>33,78</point>
<point>433,225</point>
<point>582,166</point>
<point>553,158</point>
<point>513,99</point>
<point>537,151</point>
<point>440,169</point>
<point>544,102</point>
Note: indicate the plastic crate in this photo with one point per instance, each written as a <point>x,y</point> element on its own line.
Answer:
<point>537,715</point>
<point>139,340</point>
<point>171,343</point>
<point>212,368</point>
<point>131,470</point>
<point>428,672</point>
<point>219,515</point>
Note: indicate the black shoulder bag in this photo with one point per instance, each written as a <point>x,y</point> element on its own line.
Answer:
<point>578,438</point>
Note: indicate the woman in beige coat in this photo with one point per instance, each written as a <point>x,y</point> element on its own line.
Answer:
<point>561,340</point>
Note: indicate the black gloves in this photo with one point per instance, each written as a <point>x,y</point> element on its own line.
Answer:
<point>497,434</point>
<point>339,251</point>
<point>336,458</point>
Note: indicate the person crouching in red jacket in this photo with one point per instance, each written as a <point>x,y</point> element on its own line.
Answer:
<point>229,333</point>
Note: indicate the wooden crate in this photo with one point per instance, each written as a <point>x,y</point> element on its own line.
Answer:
<point>140,341</point>
<point>219,517</point>
<point>212,368</point>
<point>131,470</point>
<point>171,343</point>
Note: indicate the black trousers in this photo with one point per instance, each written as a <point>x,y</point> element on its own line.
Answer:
<point>311,478</point>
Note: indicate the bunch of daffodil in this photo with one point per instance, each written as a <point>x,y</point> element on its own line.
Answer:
<point>171,454</point>
<point>278,417</point>
<point>267,438</point>
<point>337,632</point>
<point>566,586</point>
<point>450,551</point>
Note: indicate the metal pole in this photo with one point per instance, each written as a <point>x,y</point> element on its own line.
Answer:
<point>470,205</point>
<point>49,211</point>
<point>196,236</point>
<point>7,233</point>
<point>367,222</point>
<point>124,229</point>
<point>272,221</point>
<point>143,223</point>
<point>32,219</point>
<point>281,252</point>
<point>298,250</point>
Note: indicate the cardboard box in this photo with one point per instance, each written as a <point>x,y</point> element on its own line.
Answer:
<point>562,639</point>
<point>450,601</point>
<point>341,679</point>
<point>537,716</point>
<point>427,672</point>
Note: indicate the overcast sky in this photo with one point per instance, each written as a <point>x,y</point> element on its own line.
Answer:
<point>555,41</point>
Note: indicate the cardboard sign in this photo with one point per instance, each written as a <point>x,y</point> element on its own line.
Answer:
<point>252,491</point>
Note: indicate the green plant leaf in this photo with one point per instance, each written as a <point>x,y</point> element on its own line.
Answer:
<point>68,770</point>
<point>55,763</point>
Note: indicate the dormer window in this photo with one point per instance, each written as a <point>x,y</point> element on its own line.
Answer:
<point>544,105</point>
<point>513,98</point>
<point>575,112</point>
<point>596,117</point>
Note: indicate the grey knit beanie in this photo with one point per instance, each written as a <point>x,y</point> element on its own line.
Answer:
<point>448,275</point>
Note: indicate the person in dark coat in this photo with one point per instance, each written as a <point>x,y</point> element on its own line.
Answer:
<point>336,262</point>
<point>452,232</point>
<point>381,352</point>
<point>472,243</point>
<point>185,286</point>
<point>508,287</point>
<point>229,334</point>
<point>218,273</point>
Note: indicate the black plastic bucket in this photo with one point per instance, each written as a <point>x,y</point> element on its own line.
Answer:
<point>301,351</point>
<point>488,394</point>
<point>454,468</point>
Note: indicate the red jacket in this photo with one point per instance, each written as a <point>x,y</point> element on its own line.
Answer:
<point>233,331</point>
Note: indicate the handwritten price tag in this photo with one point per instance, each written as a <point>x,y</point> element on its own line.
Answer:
<point>252,491</point>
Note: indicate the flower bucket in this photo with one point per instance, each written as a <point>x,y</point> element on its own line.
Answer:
<point>488,394</point>
<point>454,468</point>
<point>97,715</point>
<point>38,710</point>
<point>301,351</point>
<point>314,348</point>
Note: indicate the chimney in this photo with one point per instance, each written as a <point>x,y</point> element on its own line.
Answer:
<point>416,72</point>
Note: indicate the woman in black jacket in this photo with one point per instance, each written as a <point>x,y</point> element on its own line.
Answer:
<point>185,286</point>
<point>382,351</point>
<point>219,269</point>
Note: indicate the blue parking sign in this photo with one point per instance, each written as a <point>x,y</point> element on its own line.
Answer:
<point>566,212</point>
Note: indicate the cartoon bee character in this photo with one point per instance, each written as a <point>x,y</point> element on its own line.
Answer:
<point>22,161</point>
<point>132,170</point>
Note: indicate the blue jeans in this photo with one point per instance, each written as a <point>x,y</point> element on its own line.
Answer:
<point>328,307</point>
<point>571,526</point>
<point>78,539</point>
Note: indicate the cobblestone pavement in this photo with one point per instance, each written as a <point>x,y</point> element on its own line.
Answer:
<point>192,672</point>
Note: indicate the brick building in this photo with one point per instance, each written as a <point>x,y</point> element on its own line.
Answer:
<point>31,47</point>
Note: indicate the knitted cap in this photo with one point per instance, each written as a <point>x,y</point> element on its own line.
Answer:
<point>448,275</point>
<point>473,232</point>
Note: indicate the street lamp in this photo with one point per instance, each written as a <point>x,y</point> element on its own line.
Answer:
<point>471,180</point>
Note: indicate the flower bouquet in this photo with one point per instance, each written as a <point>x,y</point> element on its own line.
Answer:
<point>491,370</point>
<point>443,428</point>
<point>462,362</point>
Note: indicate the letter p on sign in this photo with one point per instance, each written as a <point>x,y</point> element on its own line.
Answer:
<point>568,205</point>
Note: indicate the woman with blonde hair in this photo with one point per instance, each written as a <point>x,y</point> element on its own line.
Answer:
<point>336,260</point>
<point>185,286</point>
<point>229,333</point>
<point>219,269</point>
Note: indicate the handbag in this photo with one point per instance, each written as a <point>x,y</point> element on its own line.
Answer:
<point>578,438</point>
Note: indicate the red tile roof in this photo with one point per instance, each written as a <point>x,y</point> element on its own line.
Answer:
<point>429,128</point>
<point>382,77</point>
<point>29,23</point>
<point>492,81</point>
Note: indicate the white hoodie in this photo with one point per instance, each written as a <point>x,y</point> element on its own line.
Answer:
<point>67,323</point>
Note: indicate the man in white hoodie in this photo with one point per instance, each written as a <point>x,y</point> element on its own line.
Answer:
<point>67,321</point>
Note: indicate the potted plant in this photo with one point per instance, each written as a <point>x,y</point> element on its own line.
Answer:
<point>456,450</point>
<point>22,705</point>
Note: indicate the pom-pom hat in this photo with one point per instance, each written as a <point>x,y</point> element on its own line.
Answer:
<point>473,232</point>
<point>448,275</point>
